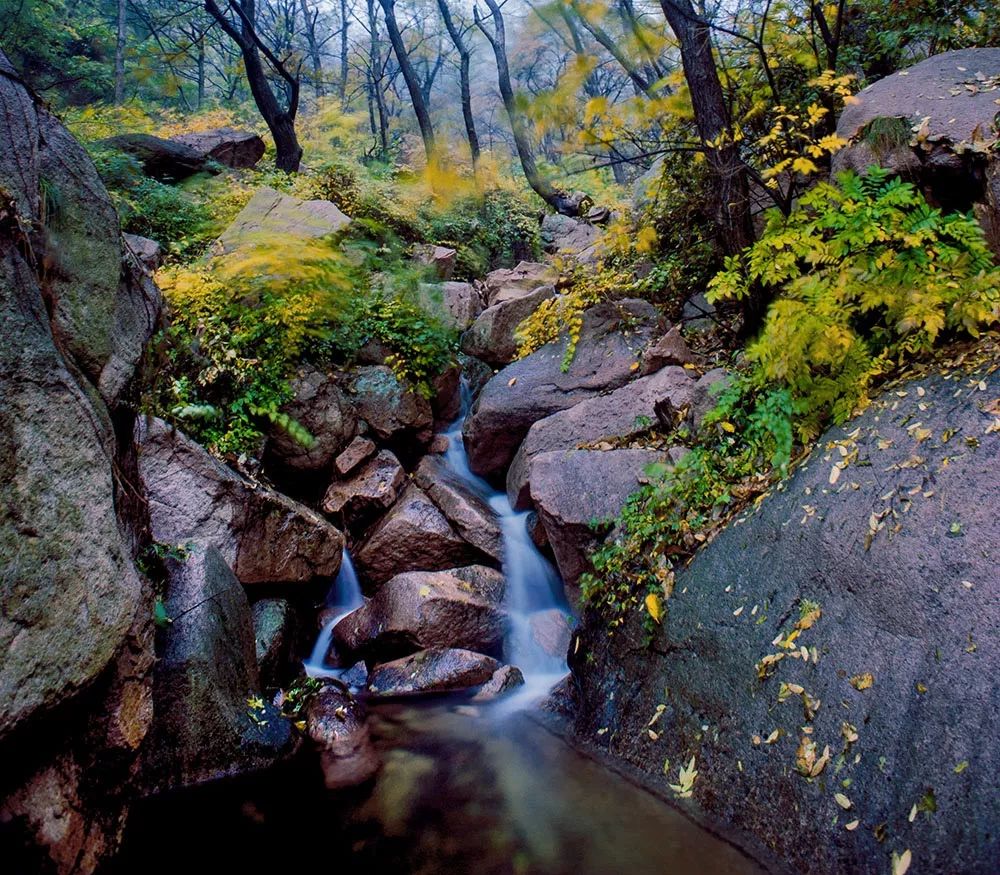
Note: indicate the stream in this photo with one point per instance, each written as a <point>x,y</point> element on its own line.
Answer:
<point>463,789</point>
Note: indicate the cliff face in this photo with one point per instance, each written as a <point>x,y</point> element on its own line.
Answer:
<point>841,639</point>
<point>76,624</point>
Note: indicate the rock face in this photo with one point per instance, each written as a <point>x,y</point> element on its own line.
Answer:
<point>470,515</point>
<point>621,413</point>
<point>168,160</point>
<point>323,409</point>
<point>453,304</point>
<point>413,536</point>
<point>274,626</point>
<point>507,284</point>
<point>436,670</point>
<point>417,610</point>
<point>505,679</point>
<point>372,490</point>
<point>491,337</point>
<point>611,340</point>
<point>75,626</point>
<point>236,149</point>
<point>568,236</point>
<point>394,411</point>
<point>358,450</point>
<point>900,555</point>
<point>959,108</point>
<point>206,670</point>
<point>575,488</point>
<point>270,214</point>
<point>264,536</point>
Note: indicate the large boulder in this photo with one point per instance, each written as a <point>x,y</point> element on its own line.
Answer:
<point>436,670</point>
<point>492,338</point>
<point>506,284</point>
<point>236,149</point>
<point>263,536</point>
<point>440,258</point>
<point>320,406</point>
<point>270,215</point>
<point>413,536</point>
<point>564,235</point>
<point>855,609</point>
<point>947,107</point>
<point>337,723</point>
<point>396,412</point>
<point>421,609</point>
<point>209,720</point>
<point>575,489</point>
<point>622,413</point>
<point>468,512</point>
<point>455,305</point>
<point>167,160</point>
<point>611,340</point>
<point>274,628</point>
<point>368,493</point>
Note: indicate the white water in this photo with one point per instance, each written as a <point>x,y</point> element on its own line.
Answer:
<point>533,585</point>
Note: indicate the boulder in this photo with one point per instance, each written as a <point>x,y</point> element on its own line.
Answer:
<point>435,670</point>
<point>264,536</point>
<point>358,450</point>
<point>455,305</point>
<point>564,235</point>
<point>209,721</point>
<point>337,723</point>
<point>148,252</point>
<point>621,413</point>
<point>320,406</point>
<point>698,314</point>
<point>888,579</point>
<point>575,489</point>
<point>483,581</point>
<point>950,99</point>
<point>607,354</point>
<point>369,492</point>
<point>420,609</point>
<point>394,411</point>
<point>274,216</point>
<point>670,349</point>
<point>470,515</point>
<point>551,630</point>
<point>492,337</point>
<point>507,284</point>
<point>440,258</point>
<point>236,149</point>
<point>705,396</point>
<point>274,628</point>
<point>414,535</point>
<point>166,160</point>
<point>476,373</point>
<point>504,679</point>
<point>446,402</point>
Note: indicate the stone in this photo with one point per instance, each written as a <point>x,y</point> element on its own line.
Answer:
<point>166,160</point>
<point>321,407</point>
<point>358,450</point>
<point>233,148</point>
<point>446,400</point>
<point>356,677</point>
<point>698,314</point>
<point>414,535</point>
<point>536,531</point>
<point>507,284</point>
<point>264,536</point>
<point>469,513</point>
<point>394,411</point>
<point>705,396</point>
<point>275,216</point>
<point>435,670</point>
<point>439,445</point>
<point>622,413</point>
<point>441,258</point>
<point>900,557</point>
<point>571,489</point>
<point>337,723</point>
<point>369,492</point>
<point>551,630</point>
<point>565,235</point>
<point>420,609</point>
<point>491,337</point>
<point>611,341</point>
<point>485,582</point>
<point>476,373</point>
<point>274,627</point>
<point>205,673</point>
<point>148,252</point>
<point>455,305</point>
<point>504,679</point>
<point>671,349</point>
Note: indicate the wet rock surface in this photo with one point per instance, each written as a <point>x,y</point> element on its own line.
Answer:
<point>492,336</point>
<point>274,628</point>
<point>337,722</point>
<point>455,304</point>
<point>371,490</point>
<point>898,553</point>
<point>395,412</point>
<point>435,670</point>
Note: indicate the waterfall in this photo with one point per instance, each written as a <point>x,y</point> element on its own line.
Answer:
<point>344,597</point>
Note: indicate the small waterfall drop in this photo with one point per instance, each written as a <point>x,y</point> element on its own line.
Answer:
<point>344,597</point>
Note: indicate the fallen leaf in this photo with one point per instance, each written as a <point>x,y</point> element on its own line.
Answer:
<point>853,825</point>
<point>512,381</point>
<point>901,864</point>
<point>913,813</point>
<point>842,801</point>
<point>654,606</point>
<point>863,681</point>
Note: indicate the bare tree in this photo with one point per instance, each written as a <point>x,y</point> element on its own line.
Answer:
<point>342,87</point>
<point>309,18</point>
<point>280,119</point>
<point>464,59</point>
<point>120,55</point>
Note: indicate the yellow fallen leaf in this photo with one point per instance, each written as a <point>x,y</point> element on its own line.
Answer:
<point>913,813</point>
<point>853,825</point>
<point>842,801</point>
<point>773,737</point>
<point>834,474</point>
<point>424,591</point>
<point>512,381</point>
<point>728,427</point>
<point>901,864</point>
<point>863,681</point>
<point>654,606</point>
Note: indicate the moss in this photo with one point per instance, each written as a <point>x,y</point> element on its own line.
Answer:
<point>884,134</point>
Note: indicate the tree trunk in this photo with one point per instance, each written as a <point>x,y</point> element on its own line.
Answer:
<point>375,82</point>
<point>201,70</point>
<point>463,77</point>
<point>309,22</point>
<point>410,78</point>
<point>120,56</point>
<point>342,88</point>
<point>731,186</point>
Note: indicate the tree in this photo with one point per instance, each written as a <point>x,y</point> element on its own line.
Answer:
<point>120,55</point>
<point>280,119</point>
<point>309,17</point>
<point>464,58</point>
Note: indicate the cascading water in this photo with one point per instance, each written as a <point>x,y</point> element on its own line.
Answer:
<point>533,586</point>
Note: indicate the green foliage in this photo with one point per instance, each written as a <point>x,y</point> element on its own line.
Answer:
<point>867,275</point>
<point>886,134</point>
